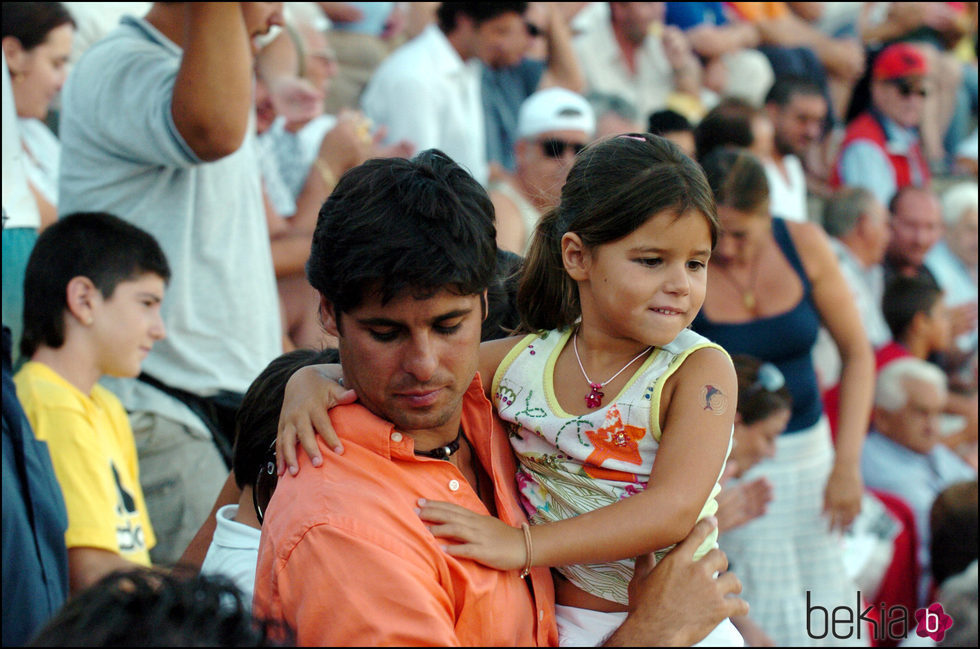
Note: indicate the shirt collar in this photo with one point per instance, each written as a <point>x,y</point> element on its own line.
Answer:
<point>444,57</point>
<point>357,424</point>
<point>151,33</point>
<point>899,140</point>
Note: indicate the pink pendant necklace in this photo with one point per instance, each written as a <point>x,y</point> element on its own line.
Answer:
<point>594,398</point>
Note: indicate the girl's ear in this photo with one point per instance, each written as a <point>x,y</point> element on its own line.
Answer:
<point>81,296</point>
<point>575,256</point>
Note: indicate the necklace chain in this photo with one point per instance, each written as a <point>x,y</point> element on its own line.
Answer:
<point>594,398</point>
<point>748,292</point>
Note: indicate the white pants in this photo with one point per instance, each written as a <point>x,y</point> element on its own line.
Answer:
<point>581,627</point>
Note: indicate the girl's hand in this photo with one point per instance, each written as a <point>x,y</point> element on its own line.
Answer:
<point>310,392</point>
<point>842,496</point>
<point>484,539</point>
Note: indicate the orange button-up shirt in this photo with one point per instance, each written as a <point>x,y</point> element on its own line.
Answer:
<point>345,560</point>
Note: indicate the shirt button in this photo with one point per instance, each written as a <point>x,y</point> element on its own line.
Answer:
<point>454,485</point>
<point>540,616</point>
<point>396,437</point>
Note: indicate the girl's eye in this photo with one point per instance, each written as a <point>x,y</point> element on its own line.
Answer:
<point>697,265</point>
<point>649,261</point>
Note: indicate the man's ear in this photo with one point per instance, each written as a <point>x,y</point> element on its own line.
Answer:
<point>575,256</point>
<point>82,296</point>
<point>329,318</point>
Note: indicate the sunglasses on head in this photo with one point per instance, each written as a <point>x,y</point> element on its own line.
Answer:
<point>265,482</point>
<point>906,89</point>
<point>556,148</point>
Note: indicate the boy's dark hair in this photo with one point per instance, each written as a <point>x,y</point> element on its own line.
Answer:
<point>953,523</point>
<point>667,121</point>
<point>758,397</point>
<point>479,12</point>
<point>787,86</point>
<point>727,124</point>
<point>394,225</point>
<point>31,22</point>
<point>96,245</point>
<point>142,607</point>
<point>737,178</point>
<point>257,418</point>
<point>903,298</point>
<point>614,187</point>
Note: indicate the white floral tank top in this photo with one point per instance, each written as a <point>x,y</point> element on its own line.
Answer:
<point>572,464</point>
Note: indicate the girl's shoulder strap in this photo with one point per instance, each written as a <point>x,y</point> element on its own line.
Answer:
<point>549,338</point>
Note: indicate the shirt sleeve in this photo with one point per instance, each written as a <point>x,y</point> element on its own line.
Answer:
<point>122,101</point>
<point>85,476</point>
<point>864,165</point>
<point>408,108</point>
<point>364,596</point>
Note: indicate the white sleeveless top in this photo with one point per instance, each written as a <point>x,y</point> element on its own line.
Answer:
<point>572,464</point>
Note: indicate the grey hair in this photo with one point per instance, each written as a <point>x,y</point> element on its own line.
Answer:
<point>842,212</point>
<point>891,390</point>
<point>957,200</point>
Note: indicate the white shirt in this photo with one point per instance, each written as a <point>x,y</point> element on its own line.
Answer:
<point>605,69</point>
<point>19,208</point>
<point>787,194</point>
<point>234,551</point>
<point>43,157</point>
<point>426,94</point>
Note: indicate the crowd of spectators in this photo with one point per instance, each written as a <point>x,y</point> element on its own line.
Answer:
<point>839,139</point>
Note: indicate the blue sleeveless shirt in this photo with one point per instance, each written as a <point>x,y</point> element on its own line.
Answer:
<point>785,340</point>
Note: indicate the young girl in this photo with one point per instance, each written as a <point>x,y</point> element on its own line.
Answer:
<point>621,417</point>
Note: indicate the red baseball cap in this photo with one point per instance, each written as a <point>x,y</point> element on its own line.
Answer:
<point>900,60</point>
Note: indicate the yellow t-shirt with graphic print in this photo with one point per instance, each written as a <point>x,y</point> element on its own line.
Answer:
<point>94,456</point>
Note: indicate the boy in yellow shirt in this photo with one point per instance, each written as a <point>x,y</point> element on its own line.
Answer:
<point>93,289</point>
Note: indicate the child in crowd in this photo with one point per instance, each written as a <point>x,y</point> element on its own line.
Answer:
<point>93,289</point>
<point>234,549</point>
<point>763,410</point>
<point>614,276</point>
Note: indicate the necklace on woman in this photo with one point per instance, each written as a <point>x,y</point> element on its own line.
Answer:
<point>747,292</point>
<point>594,398</point>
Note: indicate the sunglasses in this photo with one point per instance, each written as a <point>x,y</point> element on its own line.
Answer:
<point>556,148</point>
<point>265,482</point>
<point>906,89</point>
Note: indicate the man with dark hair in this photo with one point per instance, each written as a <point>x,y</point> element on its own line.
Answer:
<point>93,290</point>
<point>428,92</point>
<point>798,111</point>
<point>402,256</point>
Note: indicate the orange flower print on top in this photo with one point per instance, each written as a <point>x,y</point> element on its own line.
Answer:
<point>614,441</point>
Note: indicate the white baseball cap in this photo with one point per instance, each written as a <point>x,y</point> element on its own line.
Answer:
<point>555,109</point>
